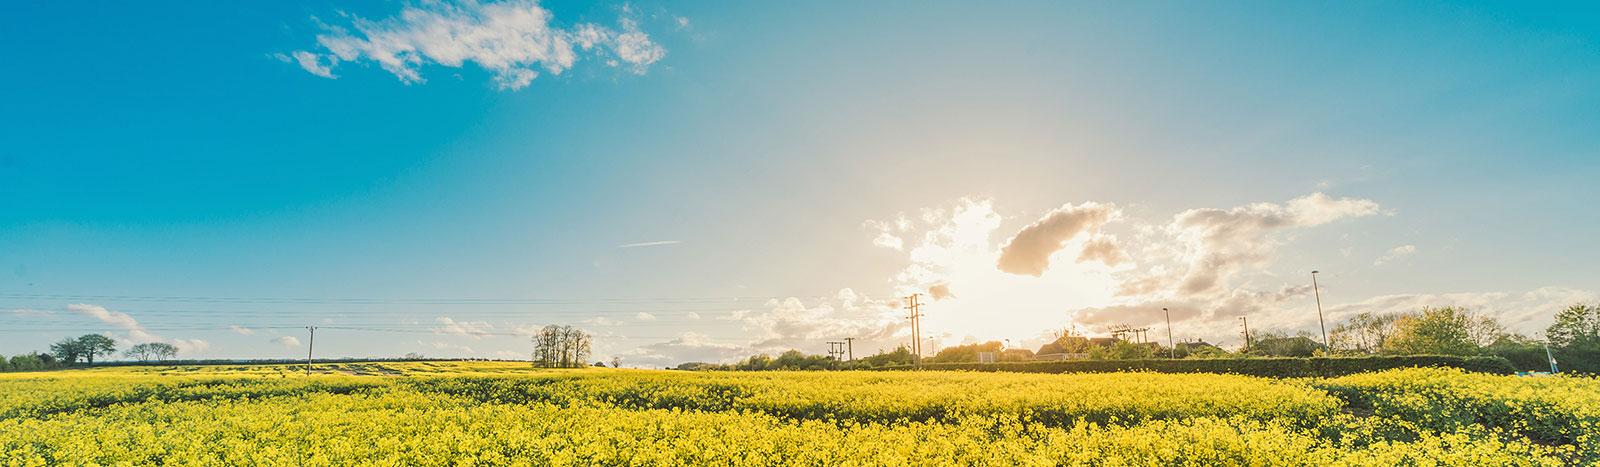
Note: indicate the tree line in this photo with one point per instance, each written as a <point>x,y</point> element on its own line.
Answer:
<point>558,346</point>
<point>1573,339</point>
<point>69,351</point>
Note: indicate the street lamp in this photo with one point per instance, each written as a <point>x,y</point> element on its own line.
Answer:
<point>1171,351</point>
<point>1246,334</point>
<point>1320,320</point>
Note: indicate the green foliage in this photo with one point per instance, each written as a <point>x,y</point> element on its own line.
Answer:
<point>1364,333</point>
<point>900,356</point>
<point>1576,328</point>
<point>125,416</point>
<point>1280,344</point>
<point>1266,367</point>
<point>1437,331</point>
<point>1124,350</point>
<point>67,350</point>
<point>32,362</point>
<point>967,352</point>
<point>92,345</point>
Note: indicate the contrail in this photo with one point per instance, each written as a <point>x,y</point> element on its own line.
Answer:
<point>632,245</point>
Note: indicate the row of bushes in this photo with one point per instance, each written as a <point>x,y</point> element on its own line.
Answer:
<point>1266,367</point>
<point>1569,360</point>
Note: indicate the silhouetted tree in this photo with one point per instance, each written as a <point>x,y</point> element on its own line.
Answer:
<point>96,344</point>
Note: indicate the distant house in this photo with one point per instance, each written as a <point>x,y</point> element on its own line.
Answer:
<point>1201,346</point>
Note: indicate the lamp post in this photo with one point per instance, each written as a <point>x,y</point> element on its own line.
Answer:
<point>1246,334</point>
<point>1172,351</point>
<point>1320,320</point>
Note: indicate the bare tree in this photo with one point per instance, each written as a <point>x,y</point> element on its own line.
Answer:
<point>152,350</point>
<point>558,346</point>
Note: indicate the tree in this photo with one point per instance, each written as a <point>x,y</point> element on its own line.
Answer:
<point>899,356</point>
<point>1124,350</point>
<point>140,352</point>
<point>1436,331</point>
<point>967,352</point>
<point>67,350</point>
<point>152,351</point>
<point>1576,328</point>
<point>96,344</point>
<point>1365,332</point>
<point>1276,343</point>
<point>558,346</point>
<point>616,362</point>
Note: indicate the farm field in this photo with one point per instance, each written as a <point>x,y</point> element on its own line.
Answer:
<point>504,413</point>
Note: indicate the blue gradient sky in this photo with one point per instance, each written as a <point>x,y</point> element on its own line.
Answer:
<point>164,151</point>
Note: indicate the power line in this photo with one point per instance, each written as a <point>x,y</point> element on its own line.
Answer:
<point>915,306</point>
<point>424,301</point>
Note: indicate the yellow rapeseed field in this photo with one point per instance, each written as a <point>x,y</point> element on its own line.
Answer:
<point>499,413</point>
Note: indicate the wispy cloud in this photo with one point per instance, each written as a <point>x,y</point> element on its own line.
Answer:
<point>245,331</point>
<point>135,332</point>
<point>636,245</point>
<point>27,312</point>
<point>289,341</point>
<point>1395,254</point>
<point>515,40</point>
<point>476,329</point>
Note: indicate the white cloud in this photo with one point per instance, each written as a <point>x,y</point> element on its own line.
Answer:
<point>601,321</point>
<point>475,329</point>
<point>642,316</point>
<point>440,345</point>
<point>1103,248</point>
<point>515,40</point>
<point>1396,253</point>
<point>1028,252</point>
<point>1219,243</point>
<point>245,331</point>
<point>190,346</point>
<point>636,245</point>
<point>693,315</point>
<point>136,333</point>
<point>290,341</point>
<point>313,63</point>
<point>790,323</point>
<point>1209,266</point>
<point>888,240</point>
<point>29,312</point>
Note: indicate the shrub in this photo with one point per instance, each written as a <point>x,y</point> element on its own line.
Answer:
<point>1267,367</point>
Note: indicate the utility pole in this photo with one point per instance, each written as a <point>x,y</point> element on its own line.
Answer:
<point>1314,289</point>
<point>916,326</point>
<point>1246,334</point>
<point>309,345</point>
<point>850,346</point>
<point>835,351</point>
<point>1172,350</point>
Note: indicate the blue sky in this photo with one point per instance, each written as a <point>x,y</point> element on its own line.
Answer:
<point>1417,154</point>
